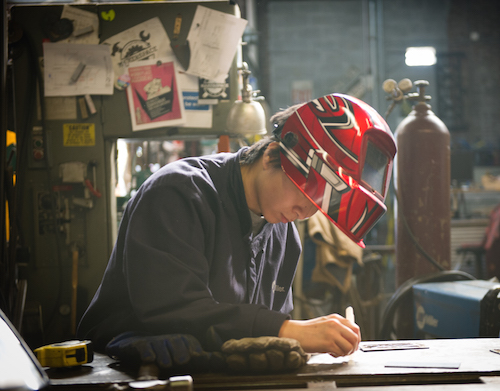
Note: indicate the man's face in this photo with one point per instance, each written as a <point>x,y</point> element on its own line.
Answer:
<point>280,200</point>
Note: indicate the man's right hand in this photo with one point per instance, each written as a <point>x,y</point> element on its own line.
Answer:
<point>331,334</point>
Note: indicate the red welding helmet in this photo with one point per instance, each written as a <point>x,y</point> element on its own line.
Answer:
<point>339,152</point>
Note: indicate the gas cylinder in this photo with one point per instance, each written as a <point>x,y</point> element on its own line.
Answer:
<point>423,191</point>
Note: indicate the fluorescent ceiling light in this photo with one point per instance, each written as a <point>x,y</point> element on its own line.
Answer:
<point>420,56</point>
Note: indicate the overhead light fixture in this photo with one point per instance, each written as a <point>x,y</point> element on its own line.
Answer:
<point>246,116</point>
<point>420,56</point>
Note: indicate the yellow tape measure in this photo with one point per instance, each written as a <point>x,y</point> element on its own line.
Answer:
<point>65,354</point>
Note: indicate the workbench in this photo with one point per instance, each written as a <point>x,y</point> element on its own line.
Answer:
<point>440,364</point>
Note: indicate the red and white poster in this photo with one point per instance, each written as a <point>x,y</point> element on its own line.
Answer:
<point>154,95</point>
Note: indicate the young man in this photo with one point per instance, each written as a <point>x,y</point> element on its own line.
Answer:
<point>207,247</point>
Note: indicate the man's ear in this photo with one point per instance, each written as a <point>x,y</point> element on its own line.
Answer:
<point>271,157</point>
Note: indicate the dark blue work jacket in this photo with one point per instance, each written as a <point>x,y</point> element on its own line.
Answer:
<point>185,260</point>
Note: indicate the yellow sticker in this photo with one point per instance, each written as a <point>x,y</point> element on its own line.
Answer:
<point>79,135</point>
<point>108,15</point>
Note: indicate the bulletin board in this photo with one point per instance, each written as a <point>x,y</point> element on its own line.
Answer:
<point>112,112</point>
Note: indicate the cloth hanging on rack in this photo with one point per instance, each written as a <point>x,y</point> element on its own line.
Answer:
<point>335,253</point>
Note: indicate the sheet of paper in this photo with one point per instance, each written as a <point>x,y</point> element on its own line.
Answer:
<point>198,115</point>
<point>61,60</point>
<point>154,95</point>
<point>213,40</point>
<point>82,21</point>
<point>381,346</point>
<point>145,41</point>
<point>60,107</point>
<point>326,358</point>
<point>442,365</point>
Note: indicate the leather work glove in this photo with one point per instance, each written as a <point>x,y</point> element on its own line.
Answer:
<point>264,354</point>
<point>168,352</point>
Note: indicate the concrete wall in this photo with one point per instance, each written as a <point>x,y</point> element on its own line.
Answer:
<point>349,46</point>
<point>352,46</point>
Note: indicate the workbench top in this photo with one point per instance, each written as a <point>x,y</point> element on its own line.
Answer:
<point>435,362</point>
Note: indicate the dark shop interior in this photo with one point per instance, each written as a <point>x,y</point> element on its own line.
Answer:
<point>250,195</point>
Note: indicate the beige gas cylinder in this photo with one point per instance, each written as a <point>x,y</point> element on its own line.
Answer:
<point>423,191</point>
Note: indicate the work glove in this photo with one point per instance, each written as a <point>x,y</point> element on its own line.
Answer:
<point>264,355</point>
<point>170,352</point>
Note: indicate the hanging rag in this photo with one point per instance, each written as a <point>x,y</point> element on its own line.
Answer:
<point>336,253</point>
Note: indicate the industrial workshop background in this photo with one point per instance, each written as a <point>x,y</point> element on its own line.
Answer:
<point>295,50</point>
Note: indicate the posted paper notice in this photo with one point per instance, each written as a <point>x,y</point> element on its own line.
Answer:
<point>213,41</point>
<point>61,60</point>
<point>154,95</point>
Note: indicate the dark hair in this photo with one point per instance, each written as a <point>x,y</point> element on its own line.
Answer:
<point>252,154</point>
<point>257,150</point>
<point>279,118</point>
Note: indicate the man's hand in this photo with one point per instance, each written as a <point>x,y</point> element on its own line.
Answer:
<point>167,351</point>
<point>332,334</point>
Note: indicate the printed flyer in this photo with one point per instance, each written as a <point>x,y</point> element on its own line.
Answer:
<point>154,96</point>
<point>145,41</point>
